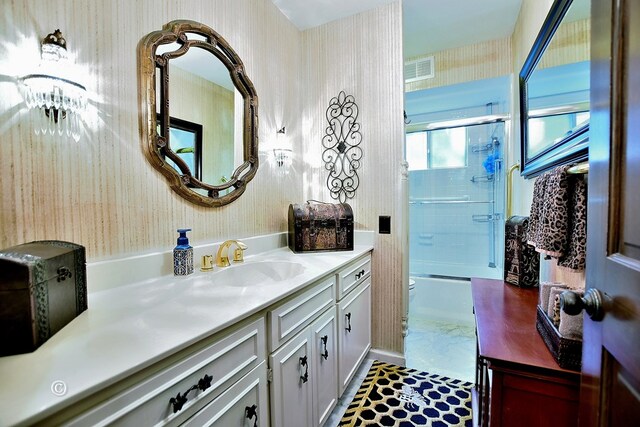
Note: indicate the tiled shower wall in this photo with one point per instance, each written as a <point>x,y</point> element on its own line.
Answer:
<point>444,238</point>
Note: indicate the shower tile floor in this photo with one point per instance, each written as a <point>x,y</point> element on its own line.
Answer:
<point>433,346</point>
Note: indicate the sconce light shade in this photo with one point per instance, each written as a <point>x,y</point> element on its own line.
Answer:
<point>54,91</point>
<point>282,158</point>
<point>282,154</point>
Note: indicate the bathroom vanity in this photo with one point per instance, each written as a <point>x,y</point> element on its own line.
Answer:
<point>272,341</point>
<point>527,386</point>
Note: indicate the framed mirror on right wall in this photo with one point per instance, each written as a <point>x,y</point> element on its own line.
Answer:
<point>554,91</point>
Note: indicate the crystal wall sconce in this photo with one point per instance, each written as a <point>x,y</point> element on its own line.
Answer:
<point>53,90</point>
<point>282,155</point>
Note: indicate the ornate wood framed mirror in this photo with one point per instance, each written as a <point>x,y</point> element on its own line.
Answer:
<point>188,73</point>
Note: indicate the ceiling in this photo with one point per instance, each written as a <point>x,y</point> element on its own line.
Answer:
<point>429,25</point>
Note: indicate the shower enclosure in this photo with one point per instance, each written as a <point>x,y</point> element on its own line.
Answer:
<point>456,200</point>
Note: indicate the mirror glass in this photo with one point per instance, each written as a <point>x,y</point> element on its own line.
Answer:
<point>205,112</point>
<point>555,90</point>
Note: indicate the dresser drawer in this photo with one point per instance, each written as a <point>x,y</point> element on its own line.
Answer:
<point>203,376</point>
<point>244,404</point>
<point>291,317</point>
<point>352,275</point>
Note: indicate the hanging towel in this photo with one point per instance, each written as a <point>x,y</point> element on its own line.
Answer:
<point>539,190</point>
<point>557,222</point>
<point>576,254</point>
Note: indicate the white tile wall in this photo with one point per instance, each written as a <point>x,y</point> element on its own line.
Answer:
<point>444,236</point>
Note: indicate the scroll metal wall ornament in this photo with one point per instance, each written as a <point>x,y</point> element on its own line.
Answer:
<point>342,153</point>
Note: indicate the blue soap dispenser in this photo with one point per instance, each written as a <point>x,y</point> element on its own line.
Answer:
<point>183,255</point>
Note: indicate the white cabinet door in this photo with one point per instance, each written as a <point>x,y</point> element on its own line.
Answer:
<point>325,366</point>
<point>354,331</point>
<point>291,387</point>
<point>244,404</point>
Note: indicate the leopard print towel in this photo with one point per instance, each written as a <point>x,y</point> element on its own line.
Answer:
<point>557,222</point>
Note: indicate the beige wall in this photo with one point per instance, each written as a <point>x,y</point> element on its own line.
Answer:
<point>362,55</point>
<point>467,63</point>
<point>102,192</point>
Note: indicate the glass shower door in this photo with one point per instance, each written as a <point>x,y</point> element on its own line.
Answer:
<point>456,211</point>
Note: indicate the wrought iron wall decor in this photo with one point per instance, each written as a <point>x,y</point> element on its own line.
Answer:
<point>341,142</point>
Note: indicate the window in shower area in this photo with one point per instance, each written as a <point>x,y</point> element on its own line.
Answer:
<point>456,201</point>
<point>445,148</point>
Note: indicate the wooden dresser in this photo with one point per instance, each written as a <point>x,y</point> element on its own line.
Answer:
<point>527,386</point>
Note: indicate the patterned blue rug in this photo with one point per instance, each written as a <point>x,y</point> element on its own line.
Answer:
<point>391,395</point>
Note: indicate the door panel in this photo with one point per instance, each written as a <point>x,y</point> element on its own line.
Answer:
<point>291,393</point>
<point>610,363</point>
<point>325,366</point>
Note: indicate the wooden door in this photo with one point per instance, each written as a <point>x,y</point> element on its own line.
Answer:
<point>610,391</point>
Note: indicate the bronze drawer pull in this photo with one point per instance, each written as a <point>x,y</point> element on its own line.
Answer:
<point>250,412</point>
<point>325,353</point>
<point>303,362</point>
<point>348,316</point>
<point>180,399</point>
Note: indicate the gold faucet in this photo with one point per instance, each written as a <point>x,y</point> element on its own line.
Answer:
<point>222,257</point>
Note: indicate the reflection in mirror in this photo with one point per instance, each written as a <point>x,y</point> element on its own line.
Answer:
<point>186,141</point>
<point>205,113</point>
<point>555,90</point>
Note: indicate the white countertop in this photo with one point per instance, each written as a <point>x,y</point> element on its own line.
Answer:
<point>130,327</point>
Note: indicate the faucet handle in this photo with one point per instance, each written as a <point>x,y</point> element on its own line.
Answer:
<point>207,263</point>
<point>238,253</point>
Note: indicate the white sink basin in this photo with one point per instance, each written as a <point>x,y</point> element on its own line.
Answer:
<point>258,273</point>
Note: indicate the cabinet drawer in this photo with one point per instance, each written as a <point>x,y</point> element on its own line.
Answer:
<point>149,402</point>
<point>352,275</point>
<point>240,406</point>
<point>354,332</point>
<point>290,318</point>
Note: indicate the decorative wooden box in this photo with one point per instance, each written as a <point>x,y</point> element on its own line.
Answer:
<point>42,288</point>
<point>521,261</point>
<point>566,351</point>
<point>315,227</point>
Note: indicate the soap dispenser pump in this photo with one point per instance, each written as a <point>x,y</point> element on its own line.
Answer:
<point>183,255</point>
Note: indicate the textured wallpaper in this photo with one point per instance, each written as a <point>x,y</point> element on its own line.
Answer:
<point>102,193</point>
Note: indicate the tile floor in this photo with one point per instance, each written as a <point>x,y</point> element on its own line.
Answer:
<point>347,396</point>
<point>441,347</point>
<point>433,346</point>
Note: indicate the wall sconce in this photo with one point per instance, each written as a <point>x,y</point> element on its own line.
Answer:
<point>282,156</point>
<point>53,90</point>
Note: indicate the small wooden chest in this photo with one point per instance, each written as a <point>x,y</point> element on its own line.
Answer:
<point>521,261</point>
<point>42,288</point>
<point>315,227</point>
